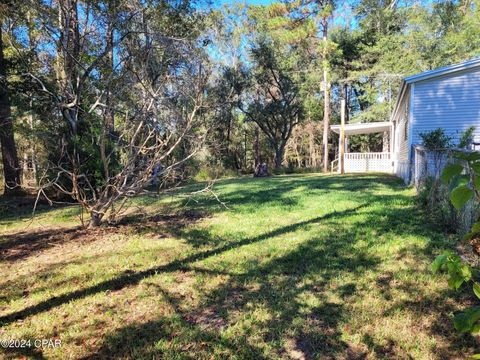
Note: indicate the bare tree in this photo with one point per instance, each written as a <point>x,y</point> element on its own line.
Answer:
<point>157,105</point>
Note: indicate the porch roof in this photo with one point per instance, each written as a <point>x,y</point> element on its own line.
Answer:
<point>363,128</point>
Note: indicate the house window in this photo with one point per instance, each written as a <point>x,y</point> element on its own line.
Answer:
<point>405,134</point>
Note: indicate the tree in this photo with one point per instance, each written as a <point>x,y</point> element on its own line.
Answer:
<point>279,48</point>
<point>229,134</point>
<point>81,74</point>
<point>320,12</point>
<point>159,101</point>
<point>325,9</point>
<point>11,166</point>
<point>274,105</point>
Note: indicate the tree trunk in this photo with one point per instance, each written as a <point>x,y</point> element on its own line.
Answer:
<point>33,151</point>
<point>326,109</point>
<point>279,156</point>
<point>11,168</point>
<point>345,96</point>
<point>32,44</point>
<point>70,53</point>
<point>95,219</point>
<point>245,148</point>
<point>257,146</point>
<point>109,111</point>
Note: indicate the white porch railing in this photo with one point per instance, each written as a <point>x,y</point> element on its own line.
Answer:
<point>334,166</point>
<point>369,162</point>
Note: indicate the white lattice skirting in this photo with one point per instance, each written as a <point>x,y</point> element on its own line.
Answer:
<point>369,162</point>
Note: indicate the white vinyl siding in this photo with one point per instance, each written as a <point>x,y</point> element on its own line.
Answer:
<point>450,102</point>
<point>401,143</point>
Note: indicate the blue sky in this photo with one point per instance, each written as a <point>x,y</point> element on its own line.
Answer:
<point>343,9</point>
<point>249,2</point>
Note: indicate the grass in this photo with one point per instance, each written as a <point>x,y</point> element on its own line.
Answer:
<point>297,267</point>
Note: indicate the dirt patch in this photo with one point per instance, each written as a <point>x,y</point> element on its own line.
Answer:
<point>206,319</point>
<point>475,243</point>
<point>293,351</point>
<point>22,244</point>
<point>469,250</point>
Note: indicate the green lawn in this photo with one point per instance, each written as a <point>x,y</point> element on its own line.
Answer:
<point>297,267</point>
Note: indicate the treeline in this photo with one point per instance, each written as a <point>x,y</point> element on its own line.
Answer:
<point>300,58</point>
<point>102,99</point>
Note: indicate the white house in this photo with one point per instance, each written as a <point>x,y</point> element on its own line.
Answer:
<point>447,98</point>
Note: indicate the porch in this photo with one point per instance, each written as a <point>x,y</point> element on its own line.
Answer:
<point>358,162</point>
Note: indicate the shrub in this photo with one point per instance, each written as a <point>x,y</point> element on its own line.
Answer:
<point>464,176</point>
<point>436,140</point>
<point>433,197</point>
<point>466,138</point>
<point>208,172</point>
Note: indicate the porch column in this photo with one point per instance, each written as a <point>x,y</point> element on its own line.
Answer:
<point>385,142</point>
<point>392,138</point>
<point>393,161</point>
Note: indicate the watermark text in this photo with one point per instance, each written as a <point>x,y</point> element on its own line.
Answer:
<point>30,343</point>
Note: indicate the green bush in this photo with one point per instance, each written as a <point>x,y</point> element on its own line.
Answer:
<point>433,197</point>
<point>203,175</point>
<point>208,172</point>
<point>296,170</point>
<point>464,177</point>
<point>466,138</point>
<point>436,140</point>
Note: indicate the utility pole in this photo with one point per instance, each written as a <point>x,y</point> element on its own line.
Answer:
<point>342,137</point>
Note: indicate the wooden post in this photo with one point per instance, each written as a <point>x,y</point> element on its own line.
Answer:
<point>342,138</point>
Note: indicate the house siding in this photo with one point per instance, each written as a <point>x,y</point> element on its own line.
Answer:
<point>451,102</point>
<point>402,143</point>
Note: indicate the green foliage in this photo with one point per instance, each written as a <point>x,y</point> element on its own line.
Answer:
<point>465,186</point>
<point>459,272</point>
<point>460,196</point>
<point>433,197</point>
<point>466,137</point>
<point>212,172</point>
<point>467,321</point>
<point>276,106</point>
<point>450,172</point>
<point>436,140</point>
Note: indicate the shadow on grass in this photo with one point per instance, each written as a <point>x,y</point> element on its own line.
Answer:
<point>24,353</point>
<point>148,339</point>
<point>15,208</point>
<point>279,286</point>
<point>277,191</point>
<point>439,307</point>
<point>131,279</point>
<point>294,325</point>
<point>22,244</point>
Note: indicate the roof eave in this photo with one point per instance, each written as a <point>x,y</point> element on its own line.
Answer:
<point>443,71</point>
<point>362,128</point>
<point>403,91</point>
